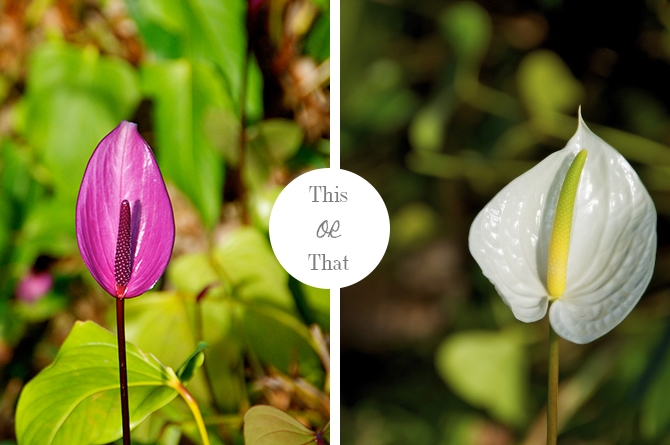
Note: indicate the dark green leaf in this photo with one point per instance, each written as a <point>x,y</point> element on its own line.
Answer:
<point>188,369</point>
<point>317,44</point>
<point>280,339</point>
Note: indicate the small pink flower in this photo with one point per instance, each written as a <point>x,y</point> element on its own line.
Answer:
<point>34,285</point>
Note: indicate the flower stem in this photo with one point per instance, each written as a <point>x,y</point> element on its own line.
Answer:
<point>195,409</point>
<point>552,389</point>
<point>123,374</point>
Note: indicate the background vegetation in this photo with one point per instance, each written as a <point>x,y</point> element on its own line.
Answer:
<point>233,97</point>
<point>443,103</point>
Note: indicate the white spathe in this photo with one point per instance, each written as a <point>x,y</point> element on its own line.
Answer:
<point>612,245</point>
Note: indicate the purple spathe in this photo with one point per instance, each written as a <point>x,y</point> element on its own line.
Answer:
<point>123,167</point>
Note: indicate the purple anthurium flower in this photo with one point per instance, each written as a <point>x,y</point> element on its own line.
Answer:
<point>125,225</point>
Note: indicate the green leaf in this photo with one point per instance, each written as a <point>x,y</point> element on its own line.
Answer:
<point>546,84</point>
<point>73,98</point>
<point>185,94</point>
<point>5,227</point>
<point>427,129</point>
<point>654,416</point>
<point>48,228</point>
<point>271,142</point>
<point>467,26</point>
<point>200,30</point>
<point>326,433</point>
<point>266,425</point>
<point>42,309</point>
<point>313,303</point>
<point>488,370</point>
<point>16,175</point>
<point>12,326</point>
<point>162,322</point>
<point>280,339</point>
<point>319,302</point>
<point>192,273</point>
<point>254,104</point>
<point>188,369</point>
<point>76,399</point>
<point>317,43</point>
<point>261,203</point>
<point>245,260</point>
<point>279,139</point>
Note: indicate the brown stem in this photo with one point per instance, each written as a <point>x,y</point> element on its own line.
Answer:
<point>552,390</point>
<point>123,375</point>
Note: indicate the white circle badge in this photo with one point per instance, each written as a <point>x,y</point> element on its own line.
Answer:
<point>329,228</point>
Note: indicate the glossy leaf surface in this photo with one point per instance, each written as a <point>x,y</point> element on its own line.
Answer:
<point>76,399</point>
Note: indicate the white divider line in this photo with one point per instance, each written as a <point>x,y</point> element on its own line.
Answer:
<point>335,366</point>
<point>335,164</point>
<point>335,84</point>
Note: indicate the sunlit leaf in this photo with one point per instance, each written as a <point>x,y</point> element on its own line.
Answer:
<point>261,204</point>
<point>76,399</point>
<point>192,272</point>
<point>185,93</point>
<point>199,29</point>
<point>266,425</point>
<point>245,260</point>
<point>97,92</point>
<point>165,323</point>
<point>162,322</point>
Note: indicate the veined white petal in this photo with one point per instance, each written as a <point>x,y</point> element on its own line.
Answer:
<point>612,245</point>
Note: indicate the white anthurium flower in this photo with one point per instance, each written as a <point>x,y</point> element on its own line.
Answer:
<point>578,229</point>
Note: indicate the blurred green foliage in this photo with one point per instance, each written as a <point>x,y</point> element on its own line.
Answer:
<point>443,103</point>
<point>233,97</point>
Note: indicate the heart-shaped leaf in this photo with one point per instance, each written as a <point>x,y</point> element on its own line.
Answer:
<point>266,425</point>
<point>76,399</point>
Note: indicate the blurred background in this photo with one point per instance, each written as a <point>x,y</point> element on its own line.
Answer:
<point>233,97</point>
<point>443,103</point>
